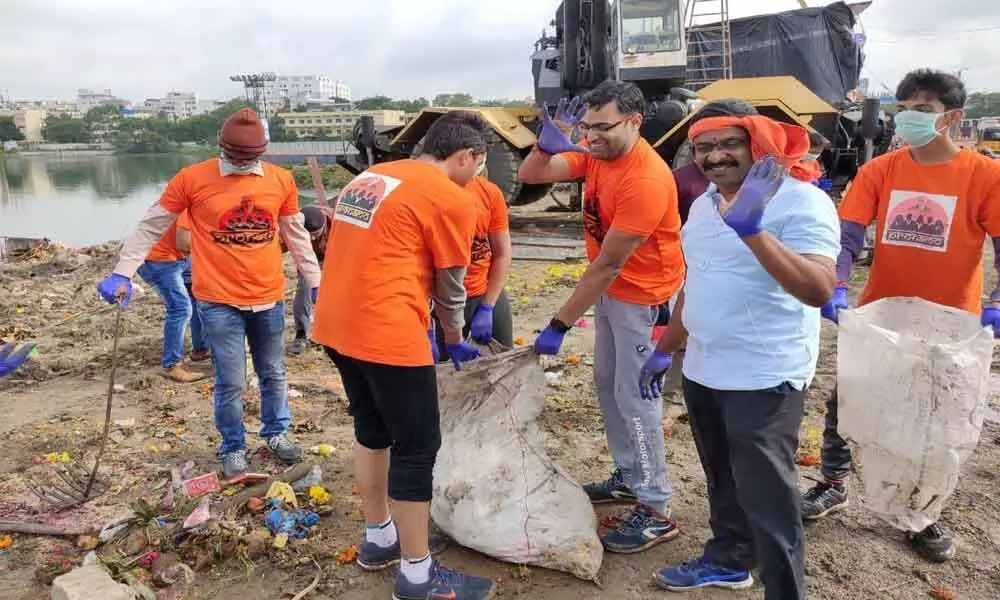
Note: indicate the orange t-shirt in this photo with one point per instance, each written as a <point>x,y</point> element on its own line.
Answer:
<point>635,194</point>
<point>932,223</point>
<point>166,249</point>
<point>395,224</point>
<point>491,217</point>
<point>235,247</point>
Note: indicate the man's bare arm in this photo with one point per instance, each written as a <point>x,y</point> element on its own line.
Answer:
<point>539,167</point>
<point>499,265</point>
<point>616,249</point>
<point>808,277</point>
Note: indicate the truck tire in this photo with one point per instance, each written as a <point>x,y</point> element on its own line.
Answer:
<point>502,163</point>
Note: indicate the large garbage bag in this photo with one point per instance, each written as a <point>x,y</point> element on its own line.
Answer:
<point>495,489</point>
<point>913,384</point>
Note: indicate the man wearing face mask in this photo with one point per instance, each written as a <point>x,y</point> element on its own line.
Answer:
<point>238,207</point>
<point>760,246</point>
<point>402,234</point>
<point>632,229</point>
<point>934,204</point>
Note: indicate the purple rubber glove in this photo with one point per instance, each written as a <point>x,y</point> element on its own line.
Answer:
<point>314,294</point>
<point>114,285</point>
<point>552,139</point>
<point>838,302</point>
<point>652,373</point>
<point>482,324</point>
<point>991,318</point>
<point>824,184</point>
<point>434,345</point>
<point>10,359</point>
<point>549,341</point>
<point>746,210</point>
<point>463,352</point>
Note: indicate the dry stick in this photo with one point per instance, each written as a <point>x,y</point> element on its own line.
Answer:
<point>312,586</point>
<point>13,526</point>
<point>294,474</point>
<point>111,391</point>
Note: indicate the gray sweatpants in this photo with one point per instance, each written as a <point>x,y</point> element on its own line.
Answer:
<point>634,426</point>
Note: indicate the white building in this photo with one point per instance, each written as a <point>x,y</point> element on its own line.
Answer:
<point>87,99</point>
<point>175,105</point>
<point>296,90</point>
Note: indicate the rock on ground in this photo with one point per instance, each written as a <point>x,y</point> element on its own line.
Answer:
<point>89,583</point>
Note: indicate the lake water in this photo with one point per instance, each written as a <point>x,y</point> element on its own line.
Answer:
<point>80,199</point>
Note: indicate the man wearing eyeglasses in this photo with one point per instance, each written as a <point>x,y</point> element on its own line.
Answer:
<point>318,221</point>
<point>632,228</point>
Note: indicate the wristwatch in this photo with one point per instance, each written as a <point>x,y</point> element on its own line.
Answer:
<point>559,326</point>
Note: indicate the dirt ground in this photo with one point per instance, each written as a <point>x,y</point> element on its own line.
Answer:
<point>56,404</point>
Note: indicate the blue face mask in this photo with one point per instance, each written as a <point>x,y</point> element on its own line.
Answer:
<point>917,129</point>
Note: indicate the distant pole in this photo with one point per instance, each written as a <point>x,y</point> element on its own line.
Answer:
<point>253,88</point>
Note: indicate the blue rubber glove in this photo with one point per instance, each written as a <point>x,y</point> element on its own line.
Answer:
<point>10,360</point>
<point>314,294</point>
<point>652,373</point>
<point>482,324</point>
<point>991,318</point>
<point>549,341</point>
<point>115,284</point>
<point>434,345</point>
<point>460,353</point>
<point>825,184</point>
<point>746,210</point>
<point>835,304</point>
<point>552,139</point>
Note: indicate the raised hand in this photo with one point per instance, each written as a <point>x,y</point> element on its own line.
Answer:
<point>552,139</point>
<point>744,213</point>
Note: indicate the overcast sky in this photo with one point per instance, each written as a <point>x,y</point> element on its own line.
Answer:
<point>401,48</point>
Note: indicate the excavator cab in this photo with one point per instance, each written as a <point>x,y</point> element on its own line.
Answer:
<point>651,49</point>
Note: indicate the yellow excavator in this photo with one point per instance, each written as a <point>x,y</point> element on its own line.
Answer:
<point>679,66</point>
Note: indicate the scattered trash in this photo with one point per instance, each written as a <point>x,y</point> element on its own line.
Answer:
<point>293,393</point>
<point>247,478</point>
<point>293,523</point>
<point>319,495</point>
<point>323,450</point>
<point>282,491</point>
<point>6,542</point>
<point>116,526</point>
<point>199,515</point>
<point>346,555</point>
<point>146,560</point>
<point>255,504</point>
<point>314,477</point>
<point>201,485</point>
<point>939,592</point>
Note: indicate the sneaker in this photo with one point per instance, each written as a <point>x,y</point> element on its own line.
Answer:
<point>701,573</point>
<point>283,448</point>
<point>933,543</point>
<point>372,557</point>
<point>444,584</point>
<point>234,463</point>
<point>640,530</point>
<point>298,345</point>
<point>824,498</point>
<point>181,374</point>
<point>612,490</point>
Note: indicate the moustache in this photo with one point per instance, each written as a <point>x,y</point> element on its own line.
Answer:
<point>724,163</point>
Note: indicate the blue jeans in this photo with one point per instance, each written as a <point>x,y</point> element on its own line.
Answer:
<point>228,329</point>
<point>168,280</point>
<point>197,336</point>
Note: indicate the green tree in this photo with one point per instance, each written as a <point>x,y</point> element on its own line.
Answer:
<point>276,127</point>
<point>102,113</point>
<point>454,100</point>
<point>66,130</point>
<point>982,104</point>
<point>375,103</point>
<point>9,131</point>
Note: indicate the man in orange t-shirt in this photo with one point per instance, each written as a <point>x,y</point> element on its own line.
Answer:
<point>165,268</point>
<point>487,310</point>
<point>238,206</point>
<point>402,235</point>
<point>934,204</point>
<point>632,228</point>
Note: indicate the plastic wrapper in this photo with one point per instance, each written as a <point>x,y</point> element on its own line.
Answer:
<point>496,491</point>
<point>914,388</point>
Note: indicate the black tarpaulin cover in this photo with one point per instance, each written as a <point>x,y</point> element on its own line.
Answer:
<point>814,45</point>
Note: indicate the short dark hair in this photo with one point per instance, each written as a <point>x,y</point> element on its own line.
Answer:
<point>627,97</point>
<point>946,87</point>
<point>725,107</point>
<point>313,217</point>
<point>454,131</point>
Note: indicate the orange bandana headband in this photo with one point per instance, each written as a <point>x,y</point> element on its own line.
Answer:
<point>788,143</point>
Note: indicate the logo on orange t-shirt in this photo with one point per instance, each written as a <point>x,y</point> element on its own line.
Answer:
<point>245,225</point>
<point>592,216</point>
<point>361,199</point>
<point>919,220</point>
<point>481,248</point>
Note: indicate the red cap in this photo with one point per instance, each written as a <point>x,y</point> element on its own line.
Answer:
<point>242,135</point>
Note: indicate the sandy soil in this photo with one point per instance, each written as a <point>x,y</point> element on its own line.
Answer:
<point>56,404</point>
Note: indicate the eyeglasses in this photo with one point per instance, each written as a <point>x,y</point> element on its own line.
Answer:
<point>729,144</point>
<point>600,127</point>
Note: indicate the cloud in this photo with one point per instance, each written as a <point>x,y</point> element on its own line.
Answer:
<point>402,48</point>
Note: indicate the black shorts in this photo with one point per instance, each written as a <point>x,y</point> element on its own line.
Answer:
<point>395,408</point>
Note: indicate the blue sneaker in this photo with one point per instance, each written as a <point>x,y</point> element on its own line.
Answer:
<point>372,557</point>
<point>613,489</point>
<point>444,584</point>
<point>701,573</point>
<point>641,530</point>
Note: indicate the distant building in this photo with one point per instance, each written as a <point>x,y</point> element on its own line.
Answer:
<point>29,121</point>
<point>292,91</point>
<point>337,123</point>
<point>89,99</point>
